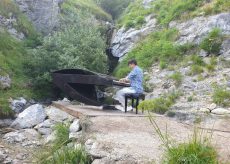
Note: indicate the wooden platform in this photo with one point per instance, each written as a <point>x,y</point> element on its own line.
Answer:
<point>92,111</point>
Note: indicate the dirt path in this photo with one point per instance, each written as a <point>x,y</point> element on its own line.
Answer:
<point>134,138</point>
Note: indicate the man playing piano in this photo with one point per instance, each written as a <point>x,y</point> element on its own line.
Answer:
<point>135,78</point>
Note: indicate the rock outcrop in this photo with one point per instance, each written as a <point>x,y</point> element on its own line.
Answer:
<point>8,24</point>
<point>43,14</point>
<point>124,40</point>
<point>5,82</point>
<point>194,30</point>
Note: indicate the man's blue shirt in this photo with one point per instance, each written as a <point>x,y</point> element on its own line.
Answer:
<point>136,79</point>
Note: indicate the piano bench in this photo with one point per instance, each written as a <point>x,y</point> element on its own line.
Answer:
<point>133,97</point>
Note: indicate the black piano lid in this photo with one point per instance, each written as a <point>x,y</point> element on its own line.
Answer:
<point>81,84</point>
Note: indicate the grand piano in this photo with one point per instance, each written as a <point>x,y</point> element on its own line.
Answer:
<point>83,85</point>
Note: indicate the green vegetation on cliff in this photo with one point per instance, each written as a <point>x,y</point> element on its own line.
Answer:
<point>166,11</point>
<point>78,43</point>
<point>12,55</point>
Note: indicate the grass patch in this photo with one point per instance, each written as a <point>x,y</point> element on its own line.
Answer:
<point>58,152</point>
<point>166,11</point>
<point>198,150</point>
<point>214,7</point>
<point>89,6</point>
<point>197,66</point>
<point>134,15</point>
<point>160,105</point>
<point>221,96</point>
<point>177,77</point>
<point>12,55</point>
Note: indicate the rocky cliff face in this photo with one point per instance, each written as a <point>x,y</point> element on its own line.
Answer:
<point>42,13</point>
<point>125,40</point>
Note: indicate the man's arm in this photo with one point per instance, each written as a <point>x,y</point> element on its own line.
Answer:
<point>131,75</point>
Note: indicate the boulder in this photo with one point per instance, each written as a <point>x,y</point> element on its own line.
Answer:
<point>18,105</point>
<point>194,30</point>
<point>58,115</point>
<point>5,82</point>
<point>75,126</point>
<point>30,117</point>
<point>124,40</point>
<point>204,110</point>
<point>220,111</point>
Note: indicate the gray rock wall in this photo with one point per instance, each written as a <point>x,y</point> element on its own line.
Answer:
<point>124,40</point>
<point>194,30</point>
<point>44,14</point>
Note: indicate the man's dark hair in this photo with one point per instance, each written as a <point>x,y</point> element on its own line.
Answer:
<point>133,61</point>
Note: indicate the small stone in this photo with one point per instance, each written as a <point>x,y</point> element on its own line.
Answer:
<point>205,110</point>
<point>75,126</point>
<point>75,135</point>
<point>3,156</point>
<point>221,111</point>
<point>50,138</point>
<point>212,106</point>
<point>46,124</point>
<point>203,53</point>
<point>45,131</point>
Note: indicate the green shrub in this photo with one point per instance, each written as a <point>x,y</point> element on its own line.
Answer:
<point>78,45</point>
<point>177,77</point>
<point>212,43</point>
<point>160,105</point>
<point>221,96</point>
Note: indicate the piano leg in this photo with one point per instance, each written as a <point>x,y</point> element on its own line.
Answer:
<point>132,104</point>
<point>126,103</point>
